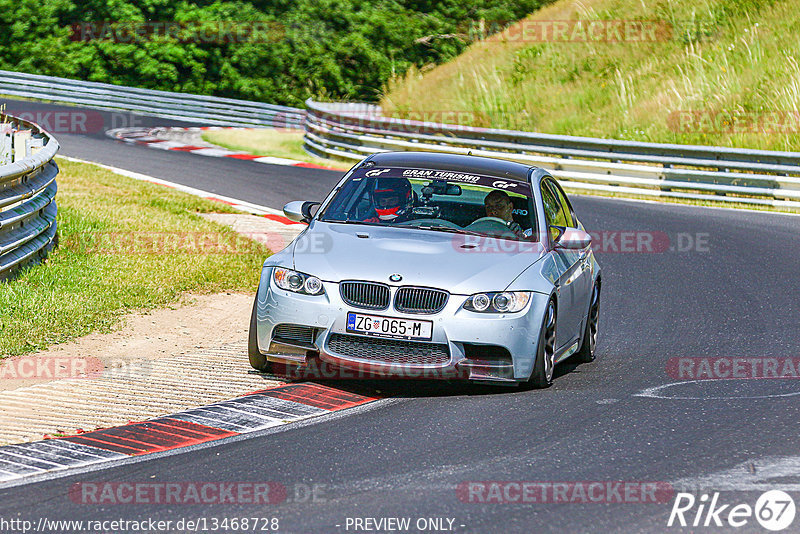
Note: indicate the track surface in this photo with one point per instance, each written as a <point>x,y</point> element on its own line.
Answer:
<point>406,455</point>
<point>268,185</point>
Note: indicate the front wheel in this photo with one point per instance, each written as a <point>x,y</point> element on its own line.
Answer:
<point>257,360</point>
<point>542,375</point>
<point>587,352</point>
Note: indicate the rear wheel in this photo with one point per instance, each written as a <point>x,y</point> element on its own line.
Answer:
<point>587,352</point>
<point>257,360</point>
<point>542,375</point>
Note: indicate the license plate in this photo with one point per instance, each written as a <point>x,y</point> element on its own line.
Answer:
<point>378,325</point>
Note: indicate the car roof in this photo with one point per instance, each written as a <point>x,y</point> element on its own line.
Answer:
<point>454,162</point>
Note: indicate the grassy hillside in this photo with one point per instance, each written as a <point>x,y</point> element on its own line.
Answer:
<point>728,73</point>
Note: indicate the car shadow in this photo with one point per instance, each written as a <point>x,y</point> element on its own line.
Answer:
<point>418,388</point>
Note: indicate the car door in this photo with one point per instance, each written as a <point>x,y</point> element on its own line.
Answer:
<point>583,284</point>
<point>569,265</point>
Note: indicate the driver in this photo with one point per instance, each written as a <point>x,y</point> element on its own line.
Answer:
<point>498,204</point>
<point>392,200</point>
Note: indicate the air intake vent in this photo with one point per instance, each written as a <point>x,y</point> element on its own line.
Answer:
<point>293,334</point>
<point>368,295</point>
<point>420,300</point>
<point>389,350</point>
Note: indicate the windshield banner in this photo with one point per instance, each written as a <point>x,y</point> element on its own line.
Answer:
<point>509,185</point>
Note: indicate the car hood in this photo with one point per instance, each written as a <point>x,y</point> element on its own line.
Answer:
<point>459,263</point>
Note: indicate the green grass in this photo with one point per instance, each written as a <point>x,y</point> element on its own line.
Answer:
<point>101,272</point>
<point>724,57</point>
<point>268,142</point>
<point>4,97</point>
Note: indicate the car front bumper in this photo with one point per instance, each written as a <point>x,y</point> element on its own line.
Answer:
<point>463,333</point>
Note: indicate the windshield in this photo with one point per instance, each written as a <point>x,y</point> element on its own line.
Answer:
<point>435,200</point>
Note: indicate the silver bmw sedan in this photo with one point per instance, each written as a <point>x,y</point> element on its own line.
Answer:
<point>427,265</point>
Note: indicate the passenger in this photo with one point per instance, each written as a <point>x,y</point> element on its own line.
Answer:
<point>498,204</point>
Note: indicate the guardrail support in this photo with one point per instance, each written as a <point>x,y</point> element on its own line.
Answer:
<point>27,195</point>
<point>760,177</point>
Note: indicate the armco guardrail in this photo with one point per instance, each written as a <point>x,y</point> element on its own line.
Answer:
<point>352,131</point>
<point>27,195</point>
<point>208,110</point>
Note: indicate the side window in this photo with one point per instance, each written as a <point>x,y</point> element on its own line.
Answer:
<point>568,217</point>
<point>520,212</point>
<point>553,211</point>
<point>362,207</point>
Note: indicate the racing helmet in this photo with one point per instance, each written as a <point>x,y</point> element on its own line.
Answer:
<point>391,197</point>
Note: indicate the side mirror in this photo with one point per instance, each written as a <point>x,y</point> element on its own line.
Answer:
<point>299,210</point>
<point>571,238</point>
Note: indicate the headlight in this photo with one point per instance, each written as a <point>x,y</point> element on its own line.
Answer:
<point>297,282</point>
<point>498,302</point>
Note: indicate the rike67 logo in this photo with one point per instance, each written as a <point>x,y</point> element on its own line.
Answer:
<point>774,510</point>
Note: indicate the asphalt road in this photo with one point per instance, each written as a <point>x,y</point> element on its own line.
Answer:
<point>80,133</point>
<point>735,295</point>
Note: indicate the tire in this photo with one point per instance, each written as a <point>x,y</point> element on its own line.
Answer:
<point>542,374</point>
<point>258,361</point>
<point>586,354</point>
